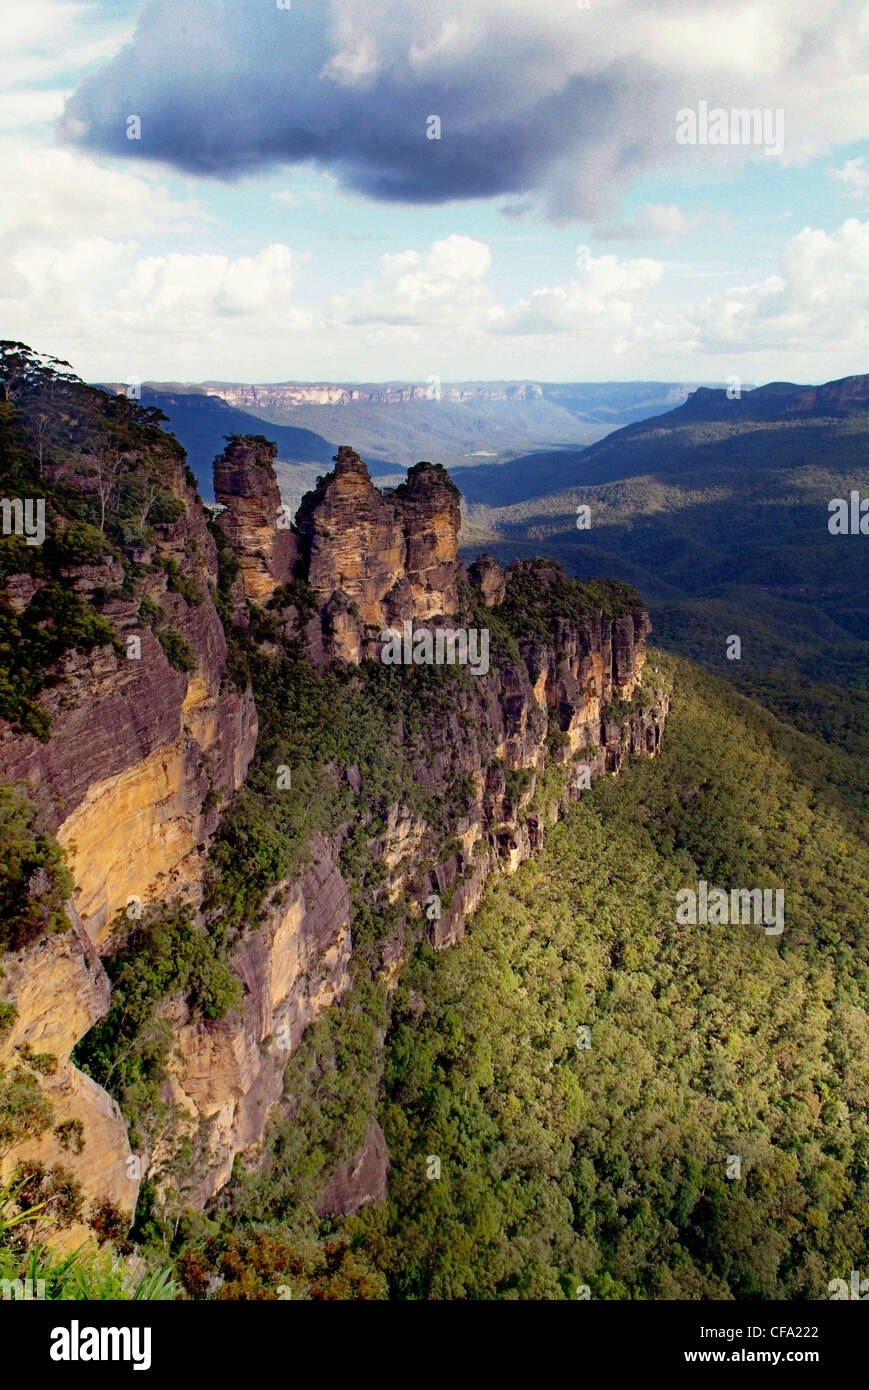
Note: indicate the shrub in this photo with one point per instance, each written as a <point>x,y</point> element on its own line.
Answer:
<point>108,1222</point>
<point>80,544</point>
<point>70,1135</point>
<point>34,880</point>
<point>176,649</point>
<point>25,1112</point>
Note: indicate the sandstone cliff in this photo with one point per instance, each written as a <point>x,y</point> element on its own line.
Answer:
<point>143,757</point>
<point>284,396</point>
<point>572,696</point>
<point>144,754</point>
<point>59,989</point>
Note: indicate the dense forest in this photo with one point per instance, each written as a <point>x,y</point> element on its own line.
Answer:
<point>602,1165</point>
<point>582,1096</point>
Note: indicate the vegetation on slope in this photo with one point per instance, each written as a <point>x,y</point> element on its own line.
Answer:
<point>105,472</point>
<point>607,1166</point>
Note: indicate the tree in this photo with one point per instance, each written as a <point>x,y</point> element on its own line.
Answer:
<point>24,372</point>
<point>106,469</point>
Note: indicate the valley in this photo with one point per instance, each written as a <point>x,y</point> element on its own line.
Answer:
<point>316,1036</point>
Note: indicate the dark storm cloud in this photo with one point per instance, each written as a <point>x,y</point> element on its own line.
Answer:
<point>538,99</point>
<point>226,89</point>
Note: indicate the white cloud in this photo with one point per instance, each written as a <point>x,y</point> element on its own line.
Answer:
<point>177,290</point>
<point>61,195</point>
<point>103,298</point>
<point>854,175</point>
<point>443,285</point>
<point>819,302</point>
<point>601,302</point>
<point>45,42</point>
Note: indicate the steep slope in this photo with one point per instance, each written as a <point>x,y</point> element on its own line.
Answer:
<point>196,907</point>
<point>117,725</point>
<point>706,1138</point>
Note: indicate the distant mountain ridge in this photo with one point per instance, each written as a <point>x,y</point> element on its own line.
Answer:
<point>396,424</point>
<point>718,512</point>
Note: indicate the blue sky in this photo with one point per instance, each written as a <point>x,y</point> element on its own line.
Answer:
<point>284,216</point>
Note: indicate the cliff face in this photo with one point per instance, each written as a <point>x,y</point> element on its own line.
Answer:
<point>59,990</point>
<point>143,757</point>
<point>373,560</point>
<point>378,558</point>
<point>141,761</point>
<point>137,745</point>
<point>287,395</point>
<point>226,1076</point>
<point>245,484</point>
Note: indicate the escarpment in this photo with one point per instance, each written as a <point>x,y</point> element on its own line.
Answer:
<point>131,745</point>
<point>496,758</point>
<point>153,759</point>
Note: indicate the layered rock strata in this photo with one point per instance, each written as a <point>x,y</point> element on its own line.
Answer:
<point>143,757</point>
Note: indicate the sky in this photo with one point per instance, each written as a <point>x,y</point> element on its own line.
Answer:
<point>374,190</point>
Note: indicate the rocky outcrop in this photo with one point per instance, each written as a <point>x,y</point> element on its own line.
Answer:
<point>254,520</point>
<point>362,1179</point>
<point>578,699</point>
<point>490,579</point>
<point>374,559</point>
<point>59,989</point>
<point>226,1075</point>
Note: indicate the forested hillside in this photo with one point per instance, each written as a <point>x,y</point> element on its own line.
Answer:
<point>718,513</point>
<point>606,1165</point>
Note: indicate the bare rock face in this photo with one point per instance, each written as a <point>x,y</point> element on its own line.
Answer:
<point>429,509</point>
<point>352,540</point>
<point>141,761</point>
<point>379,557</point>
<point>228,1074</point>
<point>59,990</point>
<point>137,745</point>
<point>560,691</point>
<point>254,521</point>
<point>489,577</point>
<point>362,1179</point>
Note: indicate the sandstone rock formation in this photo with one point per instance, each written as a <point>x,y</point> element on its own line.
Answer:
<point>245,484</point>
<point>141,762</point>
<point>229,1073</point>
<point>362,1179</point>
<point>143,758</point>
<point>136,745</point>
<point>383,557</point>
<point>490,579</point>
<point>59,990</point>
